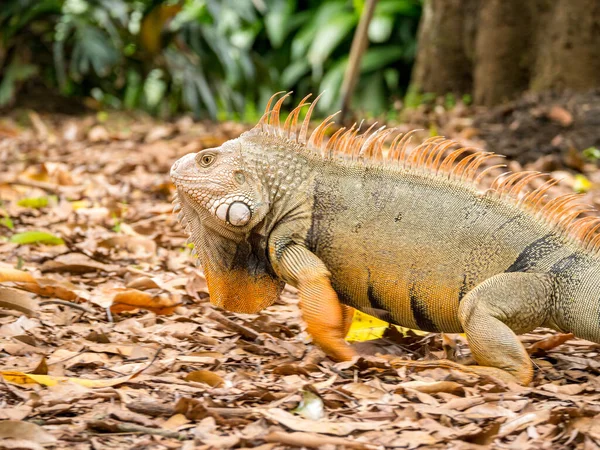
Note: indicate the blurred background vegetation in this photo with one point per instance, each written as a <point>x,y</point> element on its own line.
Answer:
<point>218,59</point>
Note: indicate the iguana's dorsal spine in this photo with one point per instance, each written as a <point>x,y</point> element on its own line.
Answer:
<point>435,157</point>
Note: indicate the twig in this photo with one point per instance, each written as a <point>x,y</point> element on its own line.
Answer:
<point>158,410</point>
<point>112,426</point>
<point>359,44</point>
<point>314,440</point>
<point>228,323</point>
<point>66,303</point>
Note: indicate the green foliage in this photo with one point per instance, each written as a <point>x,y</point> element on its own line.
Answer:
<point>217,58</point>
<point>36,237</point>
<point>592,153</point>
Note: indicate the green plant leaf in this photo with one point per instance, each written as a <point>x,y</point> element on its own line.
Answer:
<point>36,237</point>
<point>292,73</point>
<point>330,36</point>
<point>379,57</point>
<point>277,21</point>
<point>303,39</point>
<point>380,28</point>
<point>15,72</point>
<point>33,202</point>
<point>7,222</point>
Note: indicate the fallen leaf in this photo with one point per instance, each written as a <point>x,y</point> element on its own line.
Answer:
<point>16,377</point>
<point>36,237</point>
<point>136,245</point>
<point>364,391</point>
<point>10,274</point>
<point>132,299</point>
<point>336,428</point>
<point>18,300</point>
<point>433,387</point>
<point>560,115</point>
<point>587,425</point>
<point>76,263</point>
<point>206,377</point>
<point>550,342</point>
<point>175,421</point>
<point>17,429</point>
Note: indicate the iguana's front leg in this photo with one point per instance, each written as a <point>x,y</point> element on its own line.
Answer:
<point>327,321</point>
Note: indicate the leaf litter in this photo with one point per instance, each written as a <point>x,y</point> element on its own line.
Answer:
<point>108,339</point>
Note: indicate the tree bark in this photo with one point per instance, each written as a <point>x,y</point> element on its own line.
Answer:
<point>497,49</point>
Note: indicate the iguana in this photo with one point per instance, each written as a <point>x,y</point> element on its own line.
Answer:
<point>357,223</point>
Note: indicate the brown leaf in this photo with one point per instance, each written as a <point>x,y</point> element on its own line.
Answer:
<point>588,426</point>
<point>206,377</point>
<point>136,245</point>
<point>364,391</point>
<point>550,342</point>
<point>18,300</point>
<point>322,426</point>
<point>41,368</point>
<point>433,387</point>
<point>560,115</point>
<point>76,263</point>
<point>17,429</point>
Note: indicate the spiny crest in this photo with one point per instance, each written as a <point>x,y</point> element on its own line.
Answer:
<point>437,156</point>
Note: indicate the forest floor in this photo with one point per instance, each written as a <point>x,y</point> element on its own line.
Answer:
<point>107,338</point>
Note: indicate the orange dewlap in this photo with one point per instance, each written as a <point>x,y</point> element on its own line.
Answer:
<point>239,291</point>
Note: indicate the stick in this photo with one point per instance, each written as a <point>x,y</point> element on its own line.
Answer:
<point>314,440</point>
<point>112,426</point>
<point>66,303</point>
<point>359,45</point>
<point>228,323</point>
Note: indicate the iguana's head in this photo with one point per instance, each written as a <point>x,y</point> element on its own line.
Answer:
<point>221,202</point>
<point>219,187</point>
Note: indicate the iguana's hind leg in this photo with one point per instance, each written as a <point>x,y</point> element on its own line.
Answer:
<point>495,311</point>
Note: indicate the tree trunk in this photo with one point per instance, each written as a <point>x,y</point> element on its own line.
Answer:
<point>496,49</point>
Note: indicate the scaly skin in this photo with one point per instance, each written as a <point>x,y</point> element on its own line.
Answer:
<point>415,244</point>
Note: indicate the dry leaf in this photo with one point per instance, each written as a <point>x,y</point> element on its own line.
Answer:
<point>336,428</point>
<point>18,300</point>
<point>16,377</point>
<point>10,274</point>
<point>550,342</point>
<point>27,431</point>
<point>132,299</point>
<point>206,377</point>
<point>364,391</point>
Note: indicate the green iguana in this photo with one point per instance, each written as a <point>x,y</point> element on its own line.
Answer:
<point>352,224</point>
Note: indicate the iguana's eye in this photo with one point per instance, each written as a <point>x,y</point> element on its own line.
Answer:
<point>205,159</point>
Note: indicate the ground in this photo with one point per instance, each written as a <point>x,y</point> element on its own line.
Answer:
<point>108,294</point>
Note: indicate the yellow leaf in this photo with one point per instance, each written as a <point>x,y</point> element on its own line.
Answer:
<point>13,376</point>
<point>366,328</point>
<point>581,184</point>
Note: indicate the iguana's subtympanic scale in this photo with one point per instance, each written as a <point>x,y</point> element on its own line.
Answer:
<point>407,233</point>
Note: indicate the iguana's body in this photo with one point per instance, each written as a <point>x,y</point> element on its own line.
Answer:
<point>416,243</point>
